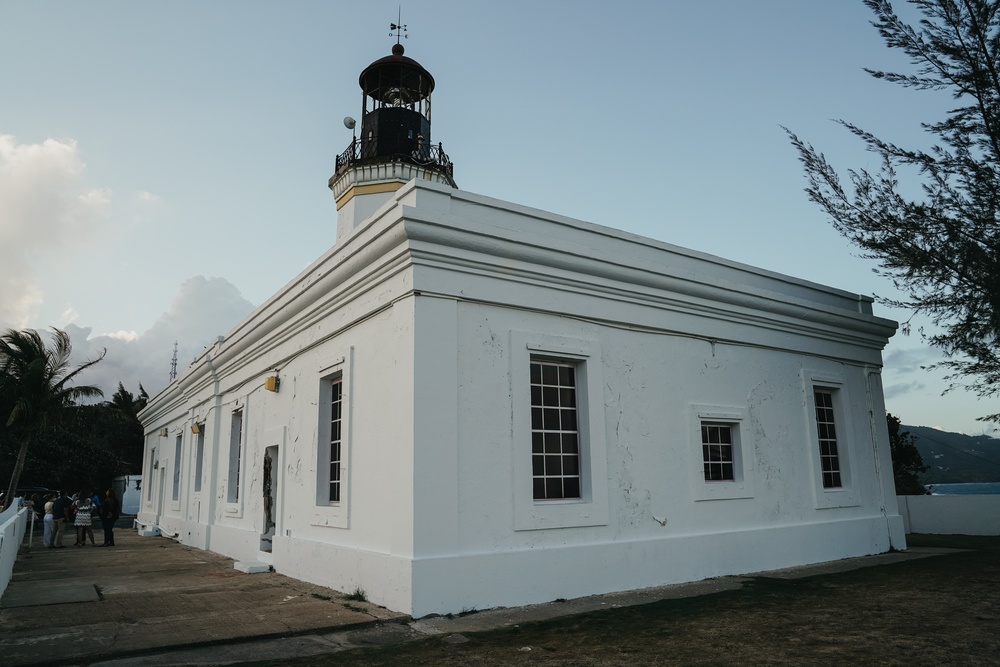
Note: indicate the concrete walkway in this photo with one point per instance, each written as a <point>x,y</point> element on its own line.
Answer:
<point>152,601</point>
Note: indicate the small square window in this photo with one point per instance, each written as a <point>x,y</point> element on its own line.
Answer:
<point>722,462</point>
<point>717,452</point>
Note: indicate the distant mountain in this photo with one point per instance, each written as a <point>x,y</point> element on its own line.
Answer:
<point>954,458</point>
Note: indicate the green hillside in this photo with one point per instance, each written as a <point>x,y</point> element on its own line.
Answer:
<point>955,458</point>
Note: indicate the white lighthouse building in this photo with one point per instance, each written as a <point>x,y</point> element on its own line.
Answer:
<point>469,403</point>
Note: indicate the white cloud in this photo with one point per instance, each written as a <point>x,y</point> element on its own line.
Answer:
<point>127,336</point>
<point>203,309</point>
<point>149,197</point>
<point>44,206</point>
<point>68,316</point>
<point>100,198</point>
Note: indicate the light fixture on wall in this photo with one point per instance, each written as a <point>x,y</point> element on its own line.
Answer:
<point>196,428</point>
<point>272,383</point>
<point>164,432</point>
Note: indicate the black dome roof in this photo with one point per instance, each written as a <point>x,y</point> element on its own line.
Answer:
<point>393,72</point>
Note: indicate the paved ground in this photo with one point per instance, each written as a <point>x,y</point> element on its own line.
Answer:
<point>151,601</point>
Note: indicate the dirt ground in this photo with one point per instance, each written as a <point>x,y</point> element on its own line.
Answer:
<point>943,610</point>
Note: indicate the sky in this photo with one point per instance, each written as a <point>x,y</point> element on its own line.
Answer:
<point>164,165</point>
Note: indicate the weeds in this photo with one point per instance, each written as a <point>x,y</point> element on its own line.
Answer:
<point>358,595</point>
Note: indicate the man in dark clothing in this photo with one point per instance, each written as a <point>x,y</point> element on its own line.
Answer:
<point>60,514</point>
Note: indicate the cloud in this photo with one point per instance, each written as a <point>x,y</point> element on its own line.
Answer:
<point>909,361</point>
<point>902,388</point>
<point>149,197</point>
<point>203,309</point>
<point>44,206</point>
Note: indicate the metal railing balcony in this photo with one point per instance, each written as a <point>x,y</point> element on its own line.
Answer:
<point>425,156</point>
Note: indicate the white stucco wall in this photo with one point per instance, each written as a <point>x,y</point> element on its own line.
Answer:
<point>951,515</point>
<point>430,312</point>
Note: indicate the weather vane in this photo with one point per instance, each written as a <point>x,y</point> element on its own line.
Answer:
<point>398,28</point>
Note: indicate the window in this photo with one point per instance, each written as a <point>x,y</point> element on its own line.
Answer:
<point>722,452</point>
<point>555,433</point>
<point>199,457</point>
<point>149,477</point>
<point>829,428</point>
<point>717,452</point>
<point>333,443</point>
<point>235,443</point>
<point>336,437</point>
<point>827,435</point>
<point>559,449</point>
<point>177,469</point>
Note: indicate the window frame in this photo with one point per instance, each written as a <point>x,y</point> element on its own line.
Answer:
<point>175,492</point>
<point>555,430</point>
<point>148,477</point>
<point>333,514</point>
<point>237,438</point>
<point>591,508</point>
<point>199,458</point>
<point>743,452</point>
<point>846,495</point>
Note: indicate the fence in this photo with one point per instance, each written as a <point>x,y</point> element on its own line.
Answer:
<point>951,514</point>
<point>12,527</point>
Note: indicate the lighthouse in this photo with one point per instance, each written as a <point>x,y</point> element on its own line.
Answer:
<point>395,145</point>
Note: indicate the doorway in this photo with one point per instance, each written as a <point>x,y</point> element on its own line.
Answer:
<point>270,499</point>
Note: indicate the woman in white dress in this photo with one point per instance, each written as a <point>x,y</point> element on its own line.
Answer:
<point>84,522</point>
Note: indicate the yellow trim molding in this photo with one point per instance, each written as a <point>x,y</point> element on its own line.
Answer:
<point>371,188</point>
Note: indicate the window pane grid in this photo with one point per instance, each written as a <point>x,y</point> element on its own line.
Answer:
<point>717,452</point>
<point>827,434</point>
<point>555,450</point>
<point>335,439</point>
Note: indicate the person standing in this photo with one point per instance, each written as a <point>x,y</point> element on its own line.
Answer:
<point>48,521</point>
<point>32,505</point>
<point>109,515</point>
<point>60,514</point>
<point>84,521</point>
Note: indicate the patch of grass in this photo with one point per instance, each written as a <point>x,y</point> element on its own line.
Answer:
<point>358,595</point>
<point>319,596</point>
<point>937,610</point>
<point>354,607</point>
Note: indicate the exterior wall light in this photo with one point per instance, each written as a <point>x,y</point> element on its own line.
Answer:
<point>196,428</point>
<point>163,432</point>
<point>272,383</point>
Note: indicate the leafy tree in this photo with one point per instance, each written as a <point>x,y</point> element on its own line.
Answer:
<point>941,247</point>
<point>124,433</point>
<point>35,391</point>
<point>907,464</point>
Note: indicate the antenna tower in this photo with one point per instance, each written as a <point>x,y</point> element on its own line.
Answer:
<point>173,364</point>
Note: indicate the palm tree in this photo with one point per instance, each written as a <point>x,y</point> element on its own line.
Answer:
<point>126,402</point>
<point>34,387</point>
<point>123,433</point>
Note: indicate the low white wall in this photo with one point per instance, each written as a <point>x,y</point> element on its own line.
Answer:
<point>12,525</point>
<point>951,515</point>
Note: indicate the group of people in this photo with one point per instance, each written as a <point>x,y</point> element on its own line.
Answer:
<point>59,511</point>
